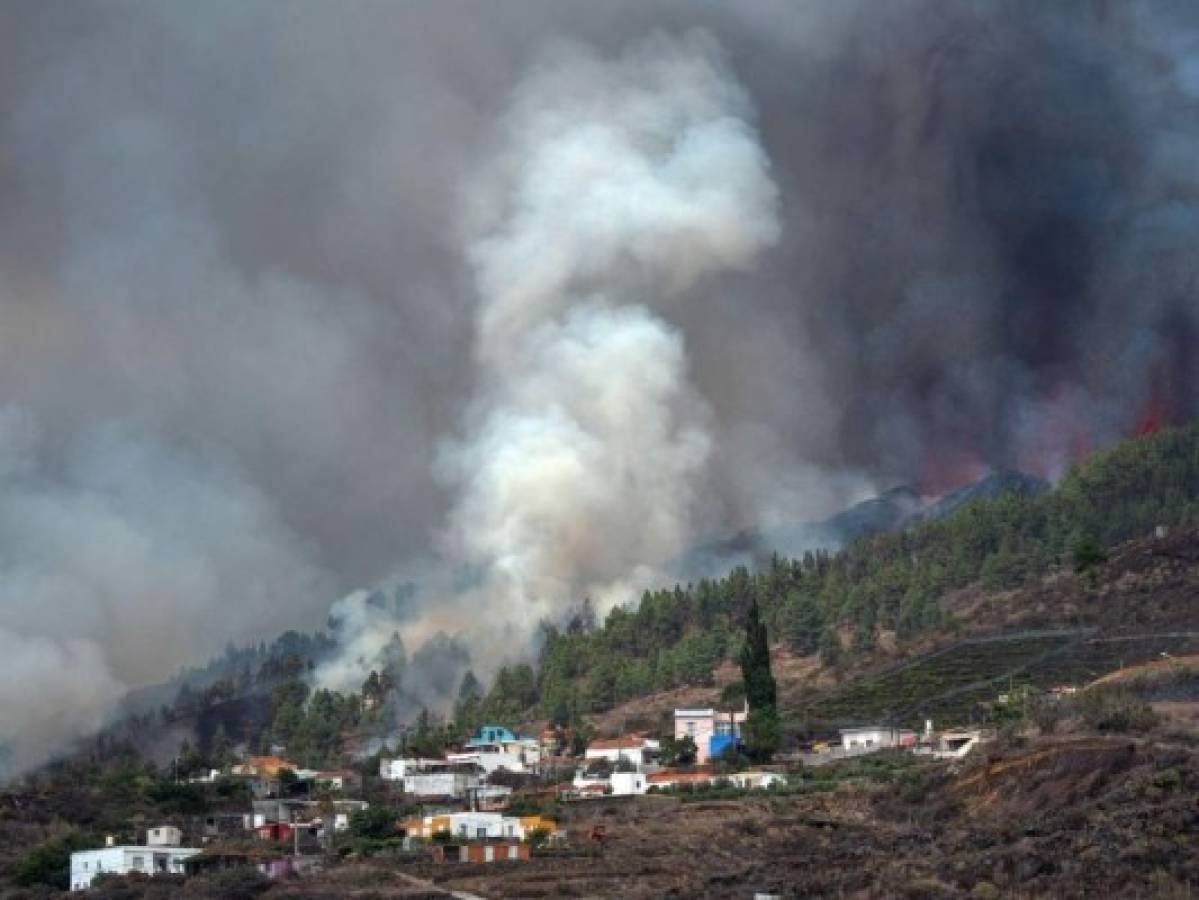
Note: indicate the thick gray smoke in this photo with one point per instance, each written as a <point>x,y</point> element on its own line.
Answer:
<point>120,557</point>
<point>237,319</point>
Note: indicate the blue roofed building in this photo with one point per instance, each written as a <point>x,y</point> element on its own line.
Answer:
<point>492,734</point>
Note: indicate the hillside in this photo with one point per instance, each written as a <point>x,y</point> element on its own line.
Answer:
<point>1066,628</point>
<point>1020,559</point>
<point>991,558</point>
<point>1009,819</point>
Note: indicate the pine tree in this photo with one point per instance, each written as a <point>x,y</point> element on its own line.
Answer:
<point>221,751</point>
<point>830,648</point>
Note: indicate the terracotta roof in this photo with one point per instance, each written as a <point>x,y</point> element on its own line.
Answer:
<point>271,763</point>
<point>679,777</point>
<point>629,742</point>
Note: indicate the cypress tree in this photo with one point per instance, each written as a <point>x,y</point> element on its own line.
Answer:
<point>760,689</point>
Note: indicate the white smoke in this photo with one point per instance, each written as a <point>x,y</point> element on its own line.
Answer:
<point>618,184</point>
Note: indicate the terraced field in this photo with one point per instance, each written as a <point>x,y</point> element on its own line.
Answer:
<point>951,684</point>
<point>1096,657</point>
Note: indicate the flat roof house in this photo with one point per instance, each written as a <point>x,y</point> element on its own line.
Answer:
<point>875,737</point>
<point>158,856</point>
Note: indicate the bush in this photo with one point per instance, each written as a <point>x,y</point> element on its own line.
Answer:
<point>1047,714</point>
<point>1087,552</point>
<point>374,822</point>
<point>1114,710</point>
<point>241,883</point>
<point>49,863</point>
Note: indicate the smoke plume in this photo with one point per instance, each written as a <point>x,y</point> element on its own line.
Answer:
<point>619,184</point>
<point>253,355</point>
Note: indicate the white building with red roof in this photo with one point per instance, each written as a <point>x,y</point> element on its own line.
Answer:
<point>635,749</point>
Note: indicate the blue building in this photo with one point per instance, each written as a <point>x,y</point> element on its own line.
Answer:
<point>492,734</point>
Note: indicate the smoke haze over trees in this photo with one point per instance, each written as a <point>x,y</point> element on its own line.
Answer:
<point>258,335</point>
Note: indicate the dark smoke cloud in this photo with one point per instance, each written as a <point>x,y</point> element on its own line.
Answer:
<point>237,315</point>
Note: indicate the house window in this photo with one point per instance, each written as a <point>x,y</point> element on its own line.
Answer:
<point>691,729</point>
<point>480,833</point>
<point>136,862</point>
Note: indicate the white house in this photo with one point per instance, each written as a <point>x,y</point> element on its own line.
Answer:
<point>753,780</point>
<point>628,783</point>
<point>164,836</point>
<point>953,744</point>
<point>491,757</point>
<point>474,826</point>
<point>396,769</point>
<point>86,865</point>
<point>618,784</point>
<point>632,749</point>
<point>875,737</point>
<point>440,784</point>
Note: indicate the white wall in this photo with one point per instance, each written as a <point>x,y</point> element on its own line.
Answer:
<point>494,825</point>
<point>439,784</point>
<point>869,737</point>
<point>625,783</point>
<point>164,836</point>
<point>635,756</point>
<point>396,769</point>
<point>490,761</point>
<point>87,864</point>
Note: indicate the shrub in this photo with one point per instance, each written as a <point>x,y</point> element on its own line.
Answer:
<point>1047,714</point>
<point>241,883</point>
<point>49,863</point>
<point>374,822</point>
<point>1086,552</point>
<point>1114,710</point>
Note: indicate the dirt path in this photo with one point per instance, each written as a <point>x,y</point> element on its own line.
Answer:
<point>432,888</point>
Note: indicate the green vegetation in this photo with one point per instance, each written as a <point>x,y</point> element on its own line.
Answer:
<point>1114,708</point>
<point>676,637</point>
<point>893,581</point>
<point>761,733</point>
<point>49,863</point>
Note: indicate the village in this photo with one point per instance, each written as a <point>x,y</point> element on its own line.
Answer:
<point>484,801</point>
